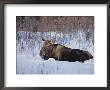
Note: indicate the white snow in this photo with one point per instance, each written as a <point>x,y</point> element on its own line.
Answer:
<point>30,65</point>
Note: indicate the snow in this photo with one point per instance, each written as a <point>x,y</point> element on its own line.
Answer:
<point>30,65</point>
<point>29,61</point>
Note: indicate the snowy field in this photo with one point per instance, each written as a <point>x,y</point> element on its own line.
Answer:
<point>29,62</point>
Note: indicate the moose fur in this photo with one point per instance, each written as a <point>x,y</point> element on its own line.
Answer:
<point>62,53</point>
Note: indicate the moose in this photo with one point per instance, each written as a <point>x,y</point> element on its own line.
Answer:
<point>62,53</point>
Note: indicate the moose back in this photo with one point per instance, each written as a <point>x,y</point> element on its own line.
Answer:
<point>62,53</point>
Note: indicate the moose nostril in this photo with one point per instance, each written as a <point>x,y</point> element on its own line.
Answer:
<point>91,56</point>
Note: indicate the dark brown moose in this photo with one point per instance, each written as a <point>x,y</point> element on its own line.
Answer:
<point>62,53</point>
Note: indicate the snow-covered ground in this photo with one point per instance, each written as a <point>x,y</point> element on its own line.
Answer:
<point>29,62</point>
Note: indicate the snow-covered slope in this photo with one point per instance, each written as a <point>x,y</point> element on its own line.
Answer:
<point>29,61</point>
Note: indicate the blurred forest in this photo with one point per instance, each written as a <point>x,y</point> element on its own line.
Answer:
<point>54,23</point>
<point>77,31</point>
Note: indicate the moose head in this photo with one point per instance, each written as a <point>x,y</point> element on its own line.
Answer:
<point>44,52</point>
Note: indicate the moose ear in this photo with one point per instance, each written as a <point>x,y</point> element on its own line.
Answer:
<point>43,39</point>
